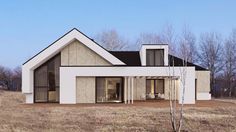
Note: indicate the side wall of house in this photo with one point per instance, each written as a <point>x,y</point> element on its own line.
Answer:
<point>203,85</point>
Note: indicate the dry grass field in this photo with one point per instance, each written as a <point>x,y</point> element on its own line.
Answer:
<point>142,116</point>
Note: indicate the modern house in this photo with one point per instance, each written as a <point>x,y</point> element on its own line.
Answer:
<point>75,69</point>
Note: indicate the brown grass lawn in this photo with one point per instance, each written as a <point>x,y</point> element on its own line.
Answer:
<point>142,116</point>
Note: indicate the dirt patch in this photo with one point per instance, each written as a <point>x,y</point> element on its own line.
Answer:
<point>141,116</point>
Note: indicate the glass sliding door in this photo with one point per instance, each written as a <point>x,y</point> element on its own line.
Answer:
<point>155,88</point>
<point>46,81</point>
<point>109,89</point>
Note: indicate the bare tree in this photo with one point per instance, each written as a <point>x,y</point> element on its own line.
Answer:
<point>16,78</point>
<point>210,55</point>
<point>176,122</point>
<point>111,40</point>
<point>2,76</point>
<point>6,77</point>
<point>148,38</point>
<point>168,36</point>
<point>187,45</point>
<point>230,61</point>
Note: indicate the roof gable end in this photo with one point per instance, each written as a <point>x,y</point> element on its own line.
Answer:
<point>63,41</point>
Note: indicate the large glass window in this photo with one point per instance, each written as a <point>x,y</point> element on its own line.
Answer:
<point>109,89</point>
<point>155,57</point>
<point>46,81</point>
<point>155,88</point>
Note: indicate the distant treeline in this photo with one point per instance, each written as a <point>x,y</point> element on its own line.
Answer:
<point>10,79</point>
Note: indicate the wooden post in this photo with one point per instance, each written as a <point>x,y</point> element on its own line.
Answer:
<point>128,90</point>
<point>125,90</point>
<point>132,90</point>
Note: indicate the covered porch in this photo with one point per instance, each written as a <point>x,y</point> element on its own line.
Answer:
<point>154,88</point>
<point>69,75</point>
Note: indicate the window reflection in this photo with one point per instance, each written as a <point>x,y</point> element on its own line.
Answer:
<point>109,89</point>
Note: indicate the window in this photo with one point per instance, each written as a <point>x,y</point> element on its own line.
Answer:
<point>155,57</point>
<point>109,89</point>
<point>155,88</point>
<point>46,81</point>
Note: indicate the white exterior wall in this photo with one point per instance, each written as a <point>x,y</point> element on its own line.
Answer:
<point>29,98</point>
<point>68,79</point>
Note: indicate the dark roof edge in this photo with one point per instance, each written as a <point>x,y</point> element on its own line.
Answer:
<point>124,51</point>
<point>204,69</point>
<point>49,45</point>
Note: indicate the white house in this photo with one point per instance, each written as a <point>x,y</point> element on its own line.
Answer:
<point>75,69</point>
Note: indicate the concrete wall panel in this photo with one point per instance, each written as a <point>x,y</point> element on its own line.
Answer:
<point>203,81</point>
<point>76,54</point>
<point>175,95</point>
<point>139,88</point>
<point>85,90</point>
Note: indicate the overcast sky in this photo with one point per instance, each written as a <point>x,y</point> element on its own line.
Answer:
<point>26,27</point>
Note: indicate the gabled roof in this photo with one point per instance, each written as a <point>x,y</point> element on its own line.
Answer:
<point>63,41</point>
<point>130,58</point>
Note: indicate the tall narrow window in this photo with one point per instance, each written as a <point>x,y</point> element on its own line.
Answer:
<point>46,81</point>
<point>150,57</point>
<point>155,57</point>
<point>40,84</point>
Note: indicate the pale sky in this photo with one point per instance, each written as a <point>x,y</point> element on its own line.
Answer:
<point>27,27</point>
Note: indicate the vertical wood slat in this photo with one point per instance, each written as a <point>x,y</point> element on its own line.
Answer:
<point>125,90</point>
<point>132,90</point>
<point>128,90</point>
